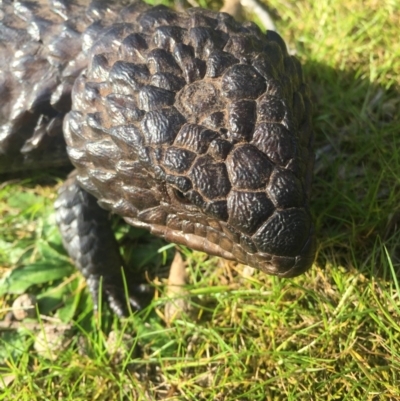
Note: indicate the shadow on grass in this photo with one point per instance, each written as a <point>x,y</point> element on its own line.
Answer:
<point>356,181</point>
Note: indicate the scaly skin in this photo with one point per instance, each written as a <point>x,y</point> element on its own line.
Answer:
<point>43,48</point>
<point>190,125</point>
<point>198,129</point>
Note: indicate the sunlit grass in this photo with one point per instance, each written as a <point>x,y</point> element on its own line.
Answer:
<point>331,334</point>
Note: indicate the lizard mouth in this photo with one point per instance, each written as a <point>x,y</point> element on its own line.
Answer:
<point>281,266</point>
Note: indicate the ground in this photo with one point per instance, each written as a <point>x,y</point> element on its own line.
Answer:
<point>331,334</point>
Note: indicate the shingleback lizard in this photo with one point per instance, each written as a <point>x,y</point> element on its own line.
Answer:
<point>188,124</point>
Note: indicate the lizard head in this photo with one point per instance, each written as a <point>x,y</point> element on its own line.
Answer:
<point>198,129</point>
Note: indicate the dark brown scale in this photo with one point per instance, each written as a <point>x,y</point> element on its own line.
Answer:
<point>192,67</point>
<point>153,98</point>
<point>168,81</point>
<point>216,120</point>
<point>249,210</point>
<point>284,233</point>
<point>285,189</point>
<point>160,60</point>
<point>217,209</point>
<point>242,81</point>
<point>133,48</point>
<point>188,124</point>
<point>248,167</point>
<point>206,40</point>
<point>127,77</point>
<point>166,37</point>
<point>217,62</point>
<point>195,137</point>
<point>271,109</point>
<point>178,160</point>
<point>275,141</point>
<point>123,108</point>
<point>197,100</point>
<point>219,148</point>
<point>157,16</point>
<point>161,126</point>
<point>210,178</point>
<point>242,117</point>
<point>243,45</point>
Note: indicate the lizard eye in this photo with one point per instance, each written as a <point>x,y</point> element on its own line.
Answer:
<point>180,197</point>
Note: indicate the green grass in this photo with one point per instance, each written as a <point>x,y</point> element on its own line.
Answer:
<point>331,334</point>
